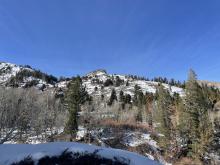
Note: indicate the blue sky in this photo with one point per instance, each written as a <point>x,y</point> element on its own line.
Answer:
<point>144,37</point>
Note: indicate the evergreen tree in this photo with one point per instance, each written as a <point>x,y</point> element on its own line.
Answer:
<point>113,97</point>
<point>122,99</point>
<point>195,125</point>
<point>164,114</point>
<point>76,95</point>
<point>149,108</point>
<point>102,97</point>
<point>128,99</point>
<point>108,82</point>
<point>121,96</point>
<point>118,81</point>
<point>127,83</point>
<point>137,91</point>
<point>139,101</point>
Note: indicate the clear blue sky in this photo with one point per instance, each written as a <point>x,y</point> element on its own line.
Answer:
<point>144,37</point>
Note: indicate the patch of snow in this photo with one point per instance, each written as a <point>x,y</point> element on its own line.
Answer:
<point>149,156</point>
<point>134,139</point>
<point>15,152</point>
<point>146,86</point>
<point>81,133</point>
<point>62,84</point>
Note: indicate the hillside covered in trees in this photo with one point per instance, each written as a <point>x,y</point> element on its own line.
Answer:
<point>165,120</point>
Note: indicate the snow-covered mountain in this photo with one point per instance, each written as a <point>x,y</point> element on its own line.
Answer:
<point>24,76</point>
<point>97,83</point>
<point>8,70</point>
<point>100,82</point>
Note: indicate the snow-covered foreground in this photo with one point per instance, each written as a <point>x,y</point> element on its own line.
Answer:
<point>10,153</point>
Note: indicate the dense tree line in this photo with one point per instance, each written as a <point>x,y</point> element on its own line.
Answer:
<point>165,80</point>
<point>184,123</point>
<point>24,73</point>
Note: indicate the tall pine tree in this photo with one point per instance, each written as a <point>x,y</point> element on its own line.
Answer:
<point>75,96</point>
<point>195,125</point>
<point>164,114</point>
<point>113,97</point>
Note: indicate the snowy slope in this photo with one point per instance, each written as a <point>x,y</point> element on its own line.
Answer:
<point>90,81</point>
<point>15,152</point>
<point>8,71</point>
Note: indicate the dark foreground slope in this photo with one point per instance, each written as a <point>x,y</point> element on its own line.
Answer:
<point>68,154</point>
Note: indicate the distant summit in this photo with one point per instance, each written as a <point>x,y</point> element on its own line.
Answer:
<point>24,76</point>
<point>97,72</point>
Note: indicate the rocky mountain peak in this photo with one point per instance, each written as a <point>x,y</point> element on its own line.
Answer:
<point>97,72</point>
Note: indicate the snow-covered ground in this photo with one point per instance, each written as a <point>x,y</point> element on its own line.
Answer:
<point>102,76</point>
<point>134,139</point>
<point>31,137</point>
<point>10,153</point>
